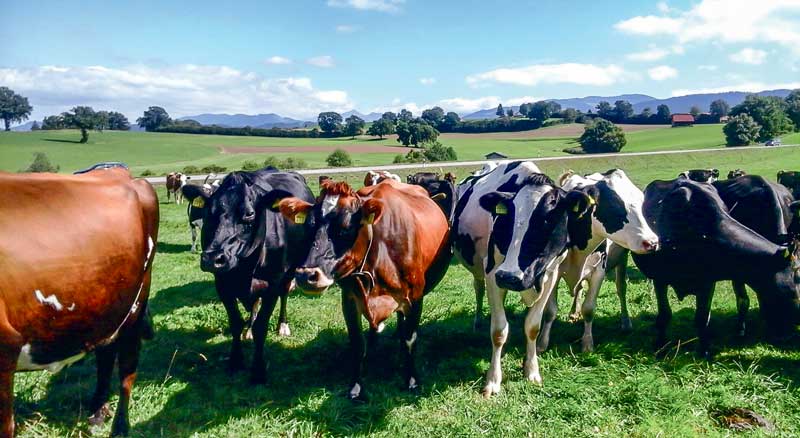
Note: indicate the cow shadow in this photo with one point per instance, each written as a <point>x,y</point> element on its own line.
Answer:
<point>174,248</point>
<point>60,140</point>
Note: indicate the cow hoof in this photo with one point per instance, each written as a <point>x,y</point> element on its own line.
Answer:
<point>357,393</point>
<point>574,317</point>
<point>587,345</point>
<point>413,385</point>
<point>705,355</point>
<point>625,325</point>
<point>100,416</point>
<point>490,389</point>
<point>284,330</point>
<point>248,335</point>
<point>120,428</point>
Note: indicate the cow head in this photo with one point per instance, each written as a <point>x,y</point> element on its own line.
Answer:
<point>533,228</point>
<point>790,180</point>
<point>733,174</point>
<point>701,175</point>
<point>618,215</point>
<point>335,221</point>
<point>234,222</point>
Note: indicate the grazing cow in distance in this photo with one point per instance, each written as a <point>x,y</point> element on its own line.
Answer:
<point>374,177</point>
<point>513,227</point>
<point>175,181</point>
<point>420,178</point>
<point>701,243</point>
<point>791,180</point>
<point>733,174</point>
<point>701,175</point>
<point>242,240</point>
<point>76,279</point>
<point>386,246</point>
<point>618,226</point>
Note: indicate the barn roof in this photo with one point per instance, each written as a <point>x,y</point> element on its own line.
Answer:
<point>682,118</point>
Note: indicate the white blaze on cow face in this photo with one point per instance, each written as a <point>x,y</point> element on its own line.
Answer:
<point>51,300</point>
<point>329,204</point>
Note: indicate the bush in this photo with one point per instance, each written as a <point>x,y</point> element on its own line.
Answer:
<point>288,163</point>
<point>339,158</point>
<point>41,164</point>
<point>741,130</point>
<point>413,156</point>
<point>250,165</point>
<point>602,136</point>
<point>213,168</point>
<point>190,170</point>
<point>147,172</point>
<point>439,152</point>
<point>575,150</point>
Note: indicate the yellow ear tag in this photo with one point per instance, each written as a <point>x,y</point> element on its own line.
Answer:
<point>786,253</point>
<point>500,208</point>
<point>199,202</point>
<point>591,201</point>
<point>300,218</point>
<point>276,203</point>
<point>369,220</point>
<point>576,208</point>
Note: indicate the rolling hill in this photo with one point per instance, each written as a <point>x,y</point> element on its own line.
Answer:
<point>270,120</point>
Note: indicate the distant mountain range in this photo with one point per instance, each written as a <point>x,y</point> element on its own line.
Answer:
<point>371,117</point>
<point>25,126</point>
<point>270,120</point>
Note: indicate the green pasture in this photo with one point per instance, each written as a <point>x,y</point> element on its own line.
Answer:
<point>619,390</point>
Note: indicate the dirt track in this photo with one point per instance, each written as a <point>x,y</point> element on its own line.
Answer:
<point>352,148</point>
<point>571,130</point>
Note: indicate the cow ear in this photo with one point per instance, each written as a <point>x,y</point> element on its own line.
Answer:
<point>191,192</point>
<point>273,198</point>
<point>715,173</point>
<point>294,209</point>
<point>579,205</point>
<point>497,203</point>
<point>678,198</point>
<point>371,211</point>
<point>780,173</point>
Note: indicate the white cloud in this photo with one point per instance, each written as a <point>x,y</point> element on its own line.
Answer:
<point>708,67</point>
<point>727,21</point>
<point>662,73</point>
<point>427,81</point>
<point>569,73</point>
<point>181,89</point>
<point>747,87</point>
<point>369,5</point>
<point>651,54</point>
<point>325,61</point>
<point>346,28</point>
<point>277,60</point>
<point>749,56</point>
<point>663,7</point>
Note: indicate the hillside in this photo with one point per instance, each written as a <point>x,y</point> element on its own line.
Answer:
<point>270,120</point>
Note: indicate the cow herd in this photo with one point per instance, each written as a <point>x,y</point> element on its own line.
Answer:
<point>386,245</point>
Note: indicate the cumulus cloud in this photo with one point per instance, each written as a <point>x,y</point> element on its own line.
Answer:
<point>727,21</point>
<point>346,28</point>
<point>277,60</point>
<point>747,87</point>
<point>427,81</point>
<point>568,73</point>
<point>325,61</point>
<point>749,56</point>
<point>181,89</point>
<point>651,54</point>
<point>662,73</point>
<point>369,5</point>
<point>707,67</point>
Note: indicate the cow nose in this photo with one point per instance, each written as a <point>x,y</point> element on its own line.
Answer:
<point>510,280</point>
<point>650,245</point>
<point>312,279</point>
<point>211,262</point>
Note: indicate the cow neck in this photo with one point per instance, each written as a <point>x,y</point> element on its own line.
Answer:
<point>365,279</point>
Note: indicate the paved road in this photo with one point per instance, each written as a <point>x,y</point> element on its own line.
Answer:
<point>442,165</point>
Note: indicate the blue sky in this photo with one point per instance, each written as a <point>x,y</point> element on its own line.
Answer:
<point>301,57</point>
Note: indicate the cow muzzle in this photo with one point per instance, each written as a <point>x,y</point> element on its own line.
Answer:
<point>312,281</point>
<point>214,262</point>
<point>510,280</point>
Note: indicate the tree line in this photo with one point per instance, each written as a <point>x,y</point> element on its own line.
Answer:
<point>761,118</point>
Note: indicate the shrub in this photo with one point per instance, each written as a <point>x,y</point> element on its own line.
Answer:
<point>339,158</point>
<point>602,136</point>
<point>41,164</point>
<point>741,130</point>
<point>436,151</point>
<point>190,170</point>
<point>147,172</point>
<point>213,168</point>
<point>294,163</point>
<point>250,165</point>
<point>413,156</point>
<point>575,150</point>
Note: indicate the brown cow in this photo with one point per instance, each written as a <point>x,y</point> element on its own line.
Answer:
<point>375,176</point>
<point>175,181</point>
<point>76,254</point>
<point>387,246</point>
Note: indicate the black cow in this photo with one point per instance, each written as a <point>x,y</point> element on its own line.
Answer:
<point>442,191</point>
<point>420,178</point>
<point>790,179</point>
<point>243,239</point>
<point>736,173</point>
<point>700,175</point>
<point>701,243</point>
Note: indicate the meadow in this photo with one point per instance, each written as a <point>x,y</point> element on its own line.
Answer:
<point>619,390</point>
<point>161,153</point>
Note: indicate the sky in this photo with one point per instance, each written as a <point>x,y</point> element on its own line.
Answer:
<point>298,58</point>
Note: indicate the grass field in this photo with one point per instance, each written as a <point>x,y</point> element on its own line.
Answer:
<point>619,390</point>
<point>163,153</point>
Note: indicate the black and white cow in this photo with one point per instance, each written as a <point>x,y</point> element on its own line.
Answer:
<point>513,227</point>
<point>242,240</point>
<point>467,182</point>
<point>197,196</point>
<point>701,175</point>
<point>618,226</point>
<point>701,243</point>
<point>791,180</point>
<point>442,191</point>
<point>736,173</point>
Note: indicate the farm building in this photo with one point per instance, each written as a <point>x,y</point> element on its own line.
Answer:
<point>724,119</point>
<point>495,156</point>
<point>682,120</point>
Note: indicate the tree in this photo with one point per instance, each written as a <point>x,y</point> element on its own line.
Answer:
<point>769,112</point>
<point>719,108</point>
<point>694,111</point>
<point>602,136</point>
<point>354,125</point>
<point>623,110</point>
<point>451,120</point>
<point>41,164</point>
<point>436,151</point>
<point>540,111</point>
<point>605,110</point>
<point>741,130</point>
<point>381,127</point>
<point>35,126</point>
<point>155,117</point>
<point>646,113</point>
<point>569,115</point>
<point>388,115</point>
<point>663,114</point>
<point>434,116</point>
<point>83,118</point>
<point>53,122</point>
<point>415,133</point>
<point>405,115</point>
<point>118,122</point>
<point>339,158</point>
<point>329,122</point>
<point>101,121</point>
<point>793,108</point>
<point>524,108</point>
<point>510,112</point>
<point>13,107</point>
<point>500,112</point>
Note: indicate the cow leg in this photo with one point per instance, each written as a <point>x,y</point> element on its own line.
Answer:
<point>193,227</point>
<point>259,371</point>
<point>664,315</point>
<point>129,345</point>
<point>702,318</point>
<point>8,362</point>
<point>352,319</point>
<point>589,306</point>
<point>248,324</point>
<point>499,334</point>
<point>283,323</point>
<point>105,357</point>
<point>480,291</point>
<point>621,280</point>
<point>408,342</point>
<point>742,306</point>
<point>533,322</point>
<point>574,311</point>
<point>548,317</point>
<point>236,324</point>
